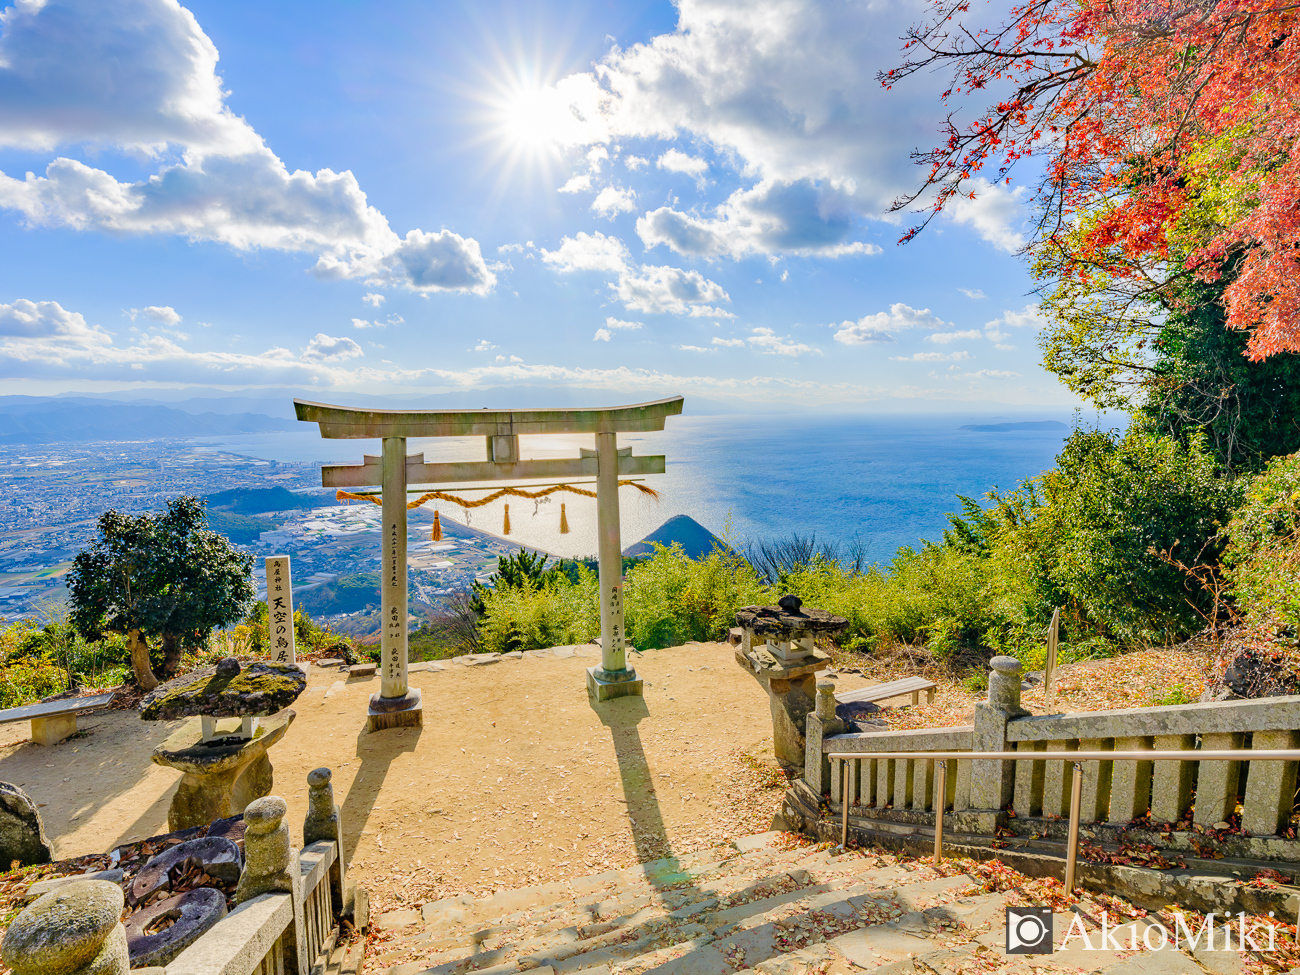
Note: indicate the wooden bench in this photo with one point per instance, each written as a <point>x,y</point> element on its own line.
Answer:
<point>52,721</point>
<point>894,688</point>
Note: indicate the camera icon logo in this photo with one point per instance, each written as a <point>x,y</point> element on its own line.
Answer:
<point>1029,931</point>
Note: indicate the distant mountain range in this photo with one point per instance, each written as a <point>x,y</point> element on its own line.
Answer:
<point>58,421</point>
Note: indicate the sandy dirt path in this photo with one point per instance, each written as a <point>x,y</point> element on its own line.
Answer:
<point>513,778</point>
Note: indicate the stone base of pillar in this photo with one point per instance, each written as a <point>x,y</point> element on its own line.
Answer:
<point>601,689</point>
<point>395,712</point>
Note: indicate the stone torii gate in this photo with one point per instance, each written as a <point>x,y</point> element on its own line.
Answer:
<point>397,704</point>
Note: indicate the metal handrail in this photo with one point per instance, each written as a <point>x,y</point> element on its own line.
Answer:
<point>1076,785</point>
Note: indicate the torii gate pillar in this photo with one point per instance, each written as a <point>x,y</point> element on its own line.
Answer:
<point>396,705</point>
<point>613,678</point>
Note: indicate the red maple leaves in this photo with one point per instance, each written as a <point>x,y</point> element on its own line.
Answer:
<point>1169,129</point>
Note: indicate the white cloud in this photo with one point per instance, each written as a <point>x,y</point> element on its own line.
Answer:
<point>373,299</point>
<point>596,156</point>
<point>588,252</point>
<point>975,293</point>
<point>326,348</point>
<point>610,202</point>
<point>484,346</point>
<point>635,162</point>
<point>46,322</point>
<point>649,288</point>
<point>881,326</point>
<point>676,161</point>
<point>612,322</point>
<point>602,335</point>
<point>577,184</point>
<point>165,314</point>
<point>364,323</point>
<point>984,374</point>
<point>44,341</point>
<point>695,348</point>
<point>1031,316</point>
<point>515,358</point>
<point>140,75</point>
<point>786,90</point>
<point>773,217</point>
<point>729,343</point>
<point>670,290</point>
<point>767,341</point>
<point>994,213</point>
<point>947,338</point>
<point>931,357</point>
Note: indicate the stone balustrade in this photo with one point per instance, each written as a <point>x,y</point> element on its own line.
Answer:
<point>886,793</point>
<point>284,922</point>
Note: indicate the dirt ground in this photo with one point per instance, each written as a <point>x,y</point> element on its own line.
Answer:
<point>513,778</point>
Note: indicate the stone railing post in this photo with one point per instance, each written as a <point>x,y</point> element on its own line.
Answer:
<point>993,782</point>
<point>271,866</point>
<point>324,823</point>
<point>74,930</point>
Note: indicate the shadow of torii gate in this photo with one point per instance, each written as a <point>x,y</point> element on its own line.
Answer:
<point>397,704</point>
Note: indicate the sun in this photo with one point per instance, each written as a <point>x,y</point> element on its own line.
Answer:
<point>526,119</point>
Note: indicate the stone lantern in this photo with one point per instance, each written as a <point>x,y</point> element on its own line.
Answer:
<point>777,648</point>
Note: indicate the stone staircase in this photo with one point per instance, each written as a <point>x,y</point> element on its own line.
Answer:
<point>763,909</point>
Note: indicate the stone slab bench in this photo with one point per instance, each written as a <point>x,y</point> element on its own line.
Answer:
<point>893,688</point>
<point>52,721</point>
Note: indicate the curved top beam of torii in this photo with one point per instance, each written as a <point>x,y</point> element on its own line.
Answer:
<point>345,423</point>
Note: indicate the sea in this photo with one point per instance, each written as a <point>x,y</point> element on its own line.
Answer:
<point>886,481</point>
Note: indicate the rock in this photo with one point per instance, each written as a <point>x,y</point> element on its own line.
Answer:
<point>42,887</point>
<point>362,670</point>
<point>68,930</point>
<point>790,604</point>
<point>223,692</point>
<point>192,913</point>
<point>218,856</point>
<point>22,834</point>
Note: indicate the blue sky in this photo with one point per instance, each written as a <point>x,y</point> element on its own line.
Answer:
<point>640,197</point>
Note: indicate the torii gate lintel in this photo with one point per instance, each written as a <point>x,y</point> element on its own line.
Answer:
<point>397,704</point>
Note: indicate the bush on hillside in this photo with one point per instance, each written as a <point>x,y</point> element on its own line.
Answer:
<point>528,617</point>
<point>670,599</point>
<point>1111,505</point>
<point>1263,556</point>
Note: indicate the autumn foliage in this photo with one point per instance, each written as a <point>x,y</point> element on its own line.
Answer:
<point>1168,129</point>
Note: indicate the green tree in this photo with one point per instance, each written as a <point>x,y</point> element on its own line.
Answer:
<point>165,576</point>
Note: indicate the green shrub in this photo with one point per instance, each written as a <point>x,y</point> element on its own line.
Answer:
<point>526,617</point>
<point>1110,506</point>
<point>1263,556</point>
<point>670,599</point>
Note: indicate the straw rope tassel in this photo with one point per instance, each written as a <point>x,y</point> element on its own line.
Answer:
<point>564,520</point>
<point>436,534</point>
<point>506,529</point>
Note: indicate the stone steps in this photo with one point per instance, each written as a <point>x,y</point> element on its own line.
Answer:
<point>693,907</point>
<point>761,911</point>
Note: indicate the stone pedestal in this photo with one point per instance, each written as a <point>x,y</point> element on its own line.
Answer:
<point>604,686</point>
<point>792,695</point>
<point>395,712</point>
<point>222,777</point>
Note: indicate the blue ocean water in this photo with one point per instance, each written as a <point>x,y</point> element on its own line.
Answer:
<point>888,479</point>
